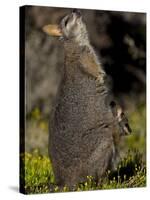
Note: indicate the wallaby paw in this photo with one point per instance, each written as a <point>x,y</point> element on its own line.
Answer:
<point>99,80</point>
<point>101,89</point>
<point>99,84</point>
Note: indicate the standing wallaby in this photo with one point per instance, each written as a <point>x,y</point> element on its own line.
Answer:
<point>84,121</point>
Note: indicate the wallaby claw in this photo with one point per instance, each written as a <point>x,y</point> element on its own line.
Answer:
<point>99,80</point>
<point>100,87</point>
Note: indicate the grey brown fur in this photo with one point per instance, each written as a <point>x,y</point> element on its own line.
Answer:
<point>81,139</point>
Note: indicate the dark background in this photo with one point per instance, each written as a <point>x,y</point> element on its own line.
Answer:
<point>119,39</point>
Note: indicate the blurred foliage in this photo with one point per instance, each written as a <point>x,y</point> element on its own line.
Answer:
<point>36,117</point>
<point>36,171</point>
<point>138,122</point>
<point>36,131</point>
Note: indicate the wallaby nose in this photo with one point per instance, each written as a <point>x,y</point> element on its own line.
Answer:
<point>77,12</point>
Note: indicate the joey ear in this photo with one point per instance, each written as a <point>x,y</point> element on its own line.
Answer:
<point>120,113</point>
<point>52,30</point>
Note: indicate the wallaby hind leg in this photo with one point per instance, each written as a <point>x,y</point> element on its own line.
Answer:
<point>101,164</point>
<point>68,177</point>
<point>59,177</point>
<point>109,164</point>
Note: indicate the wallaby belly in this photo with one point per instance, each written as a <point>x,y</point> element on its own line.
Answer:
<point>81,141</point>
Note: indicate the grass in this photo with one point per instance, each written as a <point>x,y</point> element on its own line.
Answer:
<point>36,173</point>
<point>39,177</point>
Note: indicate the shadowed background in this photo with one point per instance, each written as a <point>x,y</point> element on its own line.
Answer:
<point>119,39</point>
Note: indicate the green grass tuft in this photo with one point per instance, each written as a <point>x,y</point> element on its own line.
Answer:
<point>39,177</point>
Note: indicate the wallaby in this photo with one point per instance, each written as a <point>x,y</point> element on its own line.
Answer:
<point>84,120</point>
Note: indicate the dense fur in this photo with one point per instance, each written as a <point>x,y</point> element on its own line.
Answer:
<point>81,139</point>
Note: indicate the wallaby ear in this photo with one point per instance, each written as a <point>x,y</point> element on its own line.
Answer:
<point>52,30</point>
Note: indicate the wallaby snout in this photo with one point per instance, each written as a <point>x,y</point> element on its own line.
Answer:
<point>71,27</point>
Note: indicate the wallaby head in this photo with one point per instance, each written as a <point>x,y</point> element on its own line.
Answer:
<point>70,28</point>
